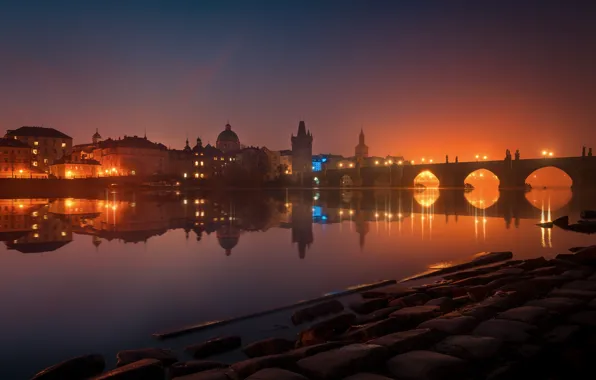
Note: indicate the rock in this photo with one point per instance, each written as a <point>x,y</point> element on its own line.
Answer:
<point>366,376</point>
<point>246,368</point>
<point>366,306</point>
<point>316,311</point>
<point>214,346</point>
<point>415,299</point>
<point>557,304</point>
<point>573,293</point>
<point>393,291</point>
<point>446,291</point>
<point>577,274</point>
<point>545,271</point>
<point>478,293</point>
<point>275,374</point>
<point>481,280</point>
<point>377,315</point>
<point>426,365</point>
<point>400,342</point>
<point>527,314</point>
<point>562,335</point>
<point>457,325</point>
<point>146,369</point>
<point>325,330</point>
<point>469,347</point>
<point>445,304</point>
<point>270,346</point>
<point>587,255</point>
<point>212,374</point>
<point>194,366</point>
<point>165,356</point>
<point>410,317</point>
<point>514,271</point>
<point>81,367</point>
<point>461,301</point>
<point>342,362</point>
<point>580,285</point>
<point>303,352</point>
<point>373,330</point>
<point>532,264</point>
<point>506,330</point>
<point>584,318</point>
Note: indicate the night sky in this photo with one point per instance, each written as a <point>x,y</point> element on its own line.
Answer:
<point>424,78</point>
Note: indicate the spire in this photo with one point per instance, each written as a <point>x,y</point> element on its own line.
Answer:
<point>302,129</point>
<point>145,133</point>
<point>361,137</point>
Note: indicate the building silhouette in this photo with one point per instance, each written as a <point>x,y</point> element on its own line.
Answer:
<point>361,150</point>
<point>302,150</point>
<point>228,140</point>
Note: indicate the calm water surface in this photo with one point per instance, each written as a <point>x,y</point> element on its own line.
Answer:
<point>100,275</point>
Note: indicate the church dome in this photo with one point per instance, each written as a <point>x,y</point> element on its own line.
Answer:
<point>228,135</point>
<point>228,237</point>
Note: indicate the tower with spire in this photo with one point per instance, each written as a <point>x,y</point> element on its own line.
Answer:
<point>96,138</point>
<point>361,150</point>
<point>302,150</point>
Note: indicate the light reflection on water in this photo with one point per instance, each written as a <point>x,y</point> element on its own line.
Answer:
<point>102,275</point>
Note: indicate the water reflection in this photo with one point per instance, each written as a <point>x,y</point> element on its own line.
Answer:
<point>42,225</point>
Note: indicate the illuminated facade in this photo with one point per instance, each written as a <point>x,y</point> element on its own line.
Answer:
<point>82,168</point>
<point>47,145</point>
<point>131,155</point>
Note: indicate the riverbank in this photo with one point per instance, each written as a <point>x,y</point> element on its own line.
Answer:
<point>511,319</point>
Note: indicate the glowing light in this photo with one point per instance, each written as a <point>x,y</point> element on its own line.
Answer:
<point>63,233</point>
<point>68,203</point>
<point>341,212</point>
<point>477,156</point>
<point>21,171</point>
<point>390,162</point>
<point>69,173</point>
<point>351,212</point>
<point>550,154</point>
<point>185,175</point>
<point>422,159</point>
<point>412,162</point>
<point>185,202</point>
<point>351,165</point>
<point>431,160</point>
<point>34,227</point>
<point>399,162</point>
<point>544,152</point>
<point>376,162</point>
<point>36,236</point>
<point>340,165</point>
<point>376,215</point>
<point>399,215</point>
<point>485,157</point>
<point>196,175</point>
<point>196,201</point>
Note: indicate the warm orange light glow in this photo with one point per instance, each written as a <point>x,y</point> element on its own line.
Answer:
<point>377,162</point>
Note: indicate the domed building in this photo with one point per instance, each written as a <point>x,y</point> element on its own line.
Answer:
<point>228,140</point>
<point>96,138</point>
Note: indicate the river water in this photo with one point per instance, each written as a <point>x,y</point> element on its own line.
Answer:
<point>99,275</point>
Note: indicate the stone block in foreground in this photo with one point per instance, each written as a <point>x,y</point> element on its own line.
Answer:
<point>506,330</point>
<point>526,314</point>
<point>343,362</point>
<point>146,369</point>
<point>81,367</point>
<point>426,365</point>
<point>270,346</point>
<point>194,366</point>
<point>411,317</point>
<point>573,293</point>
<point>557,304</point>
<point>404,341</point>
<point>456,325</point>
<point>366,376</point>
<point>213,374</point>
<point>246,368</point>
<point>469,347</point>
<point>214,346</point>
<point>275,374</point>
<point>165,356</point>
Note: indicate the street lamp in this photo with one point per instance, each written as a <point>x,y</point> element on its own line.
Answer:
<point>422,159</point>
<point>431,160</point>
<point>485,157</point>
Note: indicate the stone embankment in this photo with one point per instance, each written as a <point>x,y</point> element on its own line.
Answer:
<point>531,319</point>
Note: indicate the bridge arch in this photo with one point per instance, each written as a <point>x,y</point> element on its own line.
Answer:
<point>549,177</point>
<point>427,197</point>
<point>427,179</point>
<point>549,200</point>
<point>482,178</point>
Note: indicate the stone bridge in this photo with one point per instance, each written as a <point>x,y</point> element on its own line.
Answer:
<point>511,173</point>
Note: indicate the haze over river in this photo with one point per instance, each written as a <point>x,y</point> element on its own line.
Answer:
<point>101,275</point>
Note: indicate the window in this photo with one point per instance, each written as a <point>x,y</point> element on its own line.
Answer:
<point>202,163</point>
<point>45,160</point>
<point>197,163</point>
<point>34,163</point>
<point>34,151</point>
<point>36,143</point>
<point>64,145</point>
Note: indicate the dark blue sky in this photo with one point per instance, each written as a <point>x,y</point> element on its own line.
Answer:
<point>424,78</point>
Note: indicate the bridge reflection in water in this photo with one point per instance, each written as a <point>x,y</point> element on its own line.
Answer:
<point>31,226</point>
